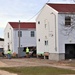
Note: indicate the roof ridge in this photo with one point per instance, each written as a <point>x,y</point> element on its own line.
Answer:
<point>63,7</point>
<point>23,24</point>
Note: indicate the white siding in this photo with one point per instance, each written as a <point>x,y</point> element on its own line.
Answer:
<point>50,16</point>
<point>62,35</point>
<point>55,32</point>
<point>7,40</point>
<point>25,40</point>
<point>13,40</point>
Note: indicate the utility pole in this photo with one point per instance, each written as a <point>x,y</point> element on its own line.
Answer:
<point>19,39</point>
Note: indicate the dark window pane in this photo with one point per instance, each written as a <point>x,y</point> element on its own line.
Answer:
<point>8,34</point>
<point>68,21</point>
<point>20,34</point>
<point>32,34</point>
<point>39,40</point>
<point>38,22</point>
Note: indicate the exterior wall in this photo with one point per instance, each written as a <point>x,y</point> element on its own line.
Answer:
<point>57,56</point>
<point>1,44</point>
<point>13,40</point>
<point>25,40</point>
<point>67,38</point>
<point>48,17</point>
<point>7,40</point>
<point>55,32</point>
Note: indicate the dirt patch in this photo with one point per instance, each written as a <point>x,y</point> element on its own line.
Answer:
<point>27,62</point>
<point>6,73</point>
<point>31,62</point>
<point>3,64</point>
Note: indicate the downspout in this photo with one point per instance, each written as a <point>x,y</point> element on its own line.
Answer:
<point>11,40</point>
<point>19,39</point>
<point>55,33</point>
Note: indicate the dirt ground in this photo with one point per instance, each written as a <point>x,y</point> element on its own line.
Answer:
<point>31,62</point>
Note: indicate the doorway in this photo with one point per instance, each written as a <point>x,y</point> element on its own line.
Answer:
<point>69,51</point>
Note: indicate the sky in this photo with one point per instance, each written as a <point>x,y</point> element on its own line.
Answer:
<point>23,10</point>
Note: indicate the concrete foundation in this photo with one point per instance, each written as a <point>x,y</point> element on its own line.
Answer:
<point>56,56</point>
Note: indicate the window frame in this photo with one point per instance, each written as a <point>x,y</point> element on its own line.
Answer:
<point>32,34</point>
<point>8,34</point>
<point>20,34</point>
<point>38,22</point>
<point>67,21</point>
<point>46,42</point>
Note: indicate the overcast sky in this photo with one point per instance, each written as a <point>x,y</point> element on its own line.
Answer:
<point>23,10</point>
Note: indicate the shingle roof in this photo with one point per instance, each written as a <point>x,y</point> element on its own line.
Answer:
<point>23,24</point>
<point>63,7</point>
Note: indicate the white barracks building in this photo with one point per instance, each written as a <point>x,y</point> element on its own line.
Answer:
<point>27,36</point>
<point>55,29</point>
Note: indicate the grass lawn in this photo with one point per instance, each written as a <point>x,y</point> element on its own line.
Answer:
<point>38,70</point>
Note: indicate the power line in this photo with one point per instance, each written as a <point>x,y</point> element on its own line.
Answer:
<point>38,11</point>
<point>48,1</point>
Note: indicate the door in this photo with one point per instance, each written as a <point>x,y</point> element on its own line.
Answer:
<point>69,51</point>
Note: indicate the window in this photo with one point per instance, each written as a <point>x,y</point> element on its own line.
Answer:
<point>45,25</point>
<point>8,46</point>
<point>8,34</point>
<point>67,21</point>
<point>39,40</point>
<point>38,22</point>
<point>20,33</point>
<point>32,34</point>
<point>46,42</point>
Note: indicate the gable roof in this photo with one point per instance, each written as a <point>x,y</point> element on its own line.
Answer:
<point>63,7</point>
<point>23,25</point>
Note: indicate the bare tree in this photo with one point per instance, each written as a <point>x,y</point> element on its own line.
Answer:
<point>66,30</point>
